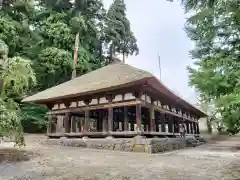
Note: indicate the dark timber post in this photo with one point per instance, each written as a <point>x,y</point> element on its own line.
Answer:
<point>104,121</point>
<point>187,126</point>
<point>138,113</point>
<point>198,131</point>
<point>157,121</point>
<point>170,124</point>
<point>191,127</point>
<point>162,119</point>
<point>178,125</point>
<point>195,127</point>
<point>138,118</point>
<point>86,119</point>
<point>126,119</point>
<point>49,128</point>
<point>66,122</point>
<point>110,98</point>
<point>110,119</point>
<point>152,117</point>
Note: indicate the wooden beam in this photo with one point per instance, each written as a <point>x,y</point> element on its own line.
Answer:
<point>95,107</point>
<point>162,110</point>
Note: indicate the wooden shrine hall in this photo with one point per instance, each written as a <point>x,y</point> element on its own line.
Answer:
<point>117,100</point>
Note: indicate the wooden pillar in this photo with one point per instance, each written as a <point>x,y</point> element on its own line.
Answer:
<point>178,125</point>
<point>73,124</point>
<point>195,127</point>
<point>99,121</point>
<point>162,119</point>
<point>152,117</point>
<point>126,119</point>
<point>67,118</point>
<point>86,120</point>
<point>104,122</point>
<point>191,128</point>
<point>174,124</point>
<point>187,126</point>
<point>170,124</point>
<point>109,98</point>
<point>157,122</point>
<point>198,131</point>
<point>49,127</point>
<point>110,119</point>
<point>86,115</point>
<point>50,106</point>
<point>138,112</point>
<point>139,118</point>
<point>67,123</point>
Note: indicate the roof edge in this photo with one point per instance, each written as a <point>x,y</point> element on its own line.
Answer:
<point>203,114</point>
<point>46,101</point>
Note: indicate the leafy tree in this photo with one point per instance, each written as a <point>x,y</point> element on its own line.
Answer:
<point>212,112</point>
<point>215,29</point>
<point>16,75</point>
<point>118,33</point>
<point>60,23</point>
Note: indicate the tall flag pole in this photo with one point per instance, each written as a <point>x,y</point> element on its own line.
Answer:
<point>160,70</point>
<point>75,58</point>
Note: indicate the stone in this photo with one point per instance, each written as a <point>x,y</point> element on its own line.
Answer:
<point>148,149</point>
<point>85,138</point>
<point>139,148</point>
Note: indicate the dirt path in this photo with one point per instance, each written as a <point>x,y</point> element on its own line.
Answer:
<point>207,162</point>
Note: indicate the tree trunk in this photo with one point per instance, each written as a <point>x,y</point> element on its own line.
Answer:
<point>75,58</point>
<point>111,53</point>
<point>209,125</point>
<point>1,85</point>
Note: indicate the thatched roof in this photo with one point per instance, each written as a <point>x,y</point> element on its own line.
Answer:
<point>109,77</point>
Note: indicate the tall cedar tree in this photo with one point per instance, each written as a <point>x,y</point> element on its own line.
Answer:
<point>118,33</point>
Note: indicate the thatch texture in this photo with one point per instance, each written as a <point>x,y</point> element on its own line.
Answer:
<point>113,75</point>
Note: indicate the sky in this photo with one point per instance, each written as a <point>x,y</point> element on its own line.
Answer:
<point>159,28</point>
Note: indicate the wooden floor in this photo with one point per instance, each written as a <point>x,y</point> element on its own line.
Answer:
<point>124,134</point>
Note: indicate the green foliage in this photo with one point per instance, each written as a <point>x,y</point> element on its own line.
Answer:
<point>10,120</point>
<point>53,66</point>
<point>215,29</point>
<point>34,120</point>
<point>16,74</point>
<point>117,30</point>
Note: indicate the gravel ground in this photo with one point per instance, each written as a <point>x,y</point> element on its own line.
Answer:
<point>206,162</point>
